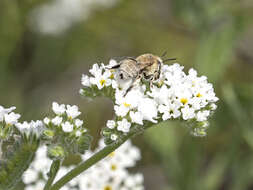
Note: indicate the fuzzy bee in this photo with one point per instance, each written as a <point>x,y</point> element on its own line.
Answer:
<point>146,66</point>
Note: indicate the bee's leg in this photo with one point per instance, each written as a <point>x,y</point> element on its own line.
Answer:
<point>115,66</point>
<point>151,85</point>
<point>132,84</point>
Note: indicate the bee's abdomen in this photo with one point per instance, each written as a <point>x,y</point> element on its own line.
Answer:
<point>130,69</point>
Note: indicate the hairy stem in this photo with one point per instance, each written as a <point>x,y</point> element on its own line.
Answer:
<point>55,166</point>
<point>15,165</point>
<point>94,159</point>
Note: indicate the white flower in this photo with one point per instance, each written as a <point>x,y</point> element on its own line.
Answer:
<point>72,111</point>
<point>67,127</point>
<point>37,127</point>
<point>136,117</point>
<point>11,118</point>
<point>85,80</point>
<point>124,125</point>
<point>112,63</point>
<point>78,122</point>
<point>46,120</point>
<point>114,137</point>
<point>169,111</point>
<point>78,133</point>
<point>121,110</point>
<point>101,80</point>
<point>57,120</point>
<point>202,115</point>
<point>4,111</point>
<point>30,176</point>
<point>148,108</point>
<point>34,127</point>
<point>188,113</point>
<point>24,127</point>
<point>58,109</point>
<point>96,70</point>
<point>213,106</point>
<point>111,124</point>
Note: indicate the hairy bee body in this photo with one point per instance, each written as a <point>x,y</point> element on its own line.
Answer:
<point>150,66</point>
<point>146,66</point>
<point>128,68</point>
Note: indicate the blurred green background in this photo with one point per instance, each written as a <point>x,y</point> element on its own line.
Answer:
<point>45,46</point>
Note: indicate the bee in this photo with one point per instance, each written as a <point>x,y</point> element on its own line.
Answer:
<point>146,66</point>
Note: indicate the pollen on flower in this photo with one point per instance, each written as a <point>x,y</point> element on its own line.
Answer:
<point>111,154</point>
<point>199,95</point>
<point>126,104</point>
<point>183,100</point>
<point>107,187</point>
<point>111,76</point>
<point>102,82</point>
<point>113,167</point>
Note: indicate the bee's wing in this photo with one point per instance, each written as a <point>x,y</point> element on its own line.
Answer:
<point>142,66</point>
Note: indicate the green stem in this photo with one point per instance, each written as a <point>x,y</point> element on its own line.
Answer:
<point>16,164</point>
<point>94,159</point>
<point>52,173</point>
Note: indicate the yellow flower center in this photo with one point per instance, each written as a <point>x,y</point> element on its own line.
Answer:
<point>111,154</point>
<point>183,100</point>
<point>160,83</point>
<point>107,187</point>
<point>113,167</point>
<point>112,76</point>
<point>126,104</point>
<point>199,95</point>
<point>102,82</point>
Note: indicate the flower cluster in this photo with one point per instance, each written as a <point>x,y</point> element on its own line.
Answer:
<point>65,119</point>
<point>109,174</point>
<point>7,120</point>
<point>66,131</point>
<point>33,127</point>
<point>175,95</point>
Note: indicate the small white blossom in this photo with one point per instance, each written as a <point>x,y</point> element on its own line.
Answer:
<point>46,120</point>
<point>4,111</point>
<point>188,113</point>
<point>57,120</point>
<point>58,109</point>
<point>23,127</point>
<point>111,124</point>
<point>67,127</point>
<point>102,80</point>
<point>78,122</point>
<point>148,109</point>
<point>33,127</point>
<point>124,125</point>
<point>136,117</point>
<point>202,115</point>
<point>85,80</point>
<point>78,133</point>
<point>11,118</point>
<point>72,111</point>
<point>114,137</point>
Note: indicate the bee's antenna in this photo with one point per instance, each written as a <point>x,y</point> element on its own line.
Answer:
<point>170,59</point>
<point>164,53</point>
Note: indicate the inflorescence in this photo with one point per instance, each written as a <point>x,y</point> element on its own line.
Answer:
<point>175,95</point>
<point>110,173</point>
